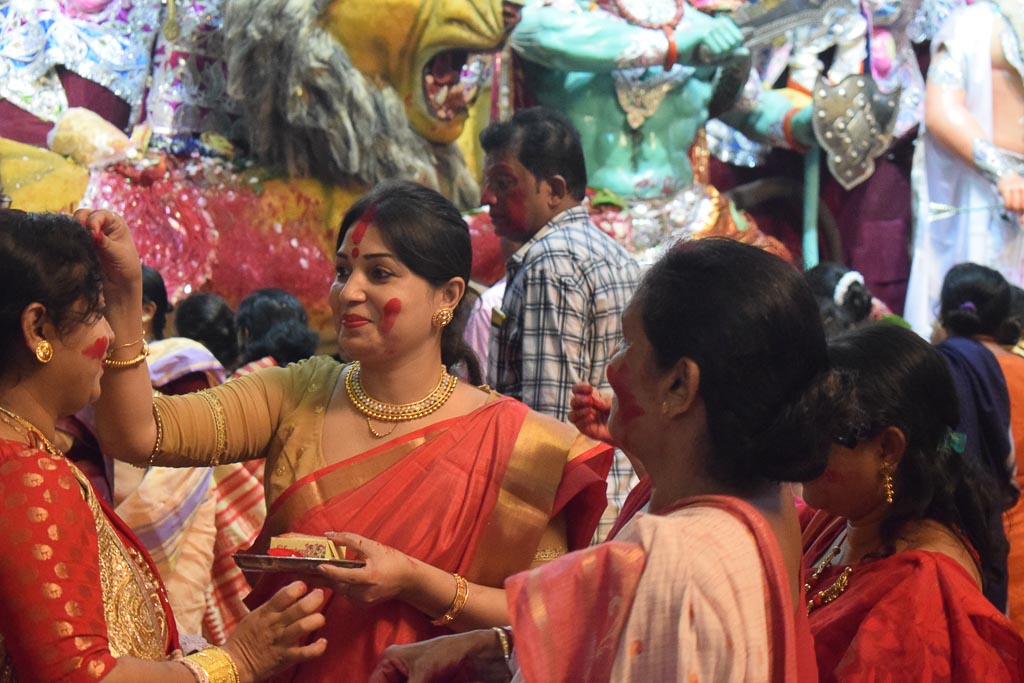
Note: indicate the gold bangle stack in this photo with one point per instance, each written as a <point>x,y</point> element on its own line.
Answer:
<point>131,362</point>
<point>212,665</point>
<point>461,596</point>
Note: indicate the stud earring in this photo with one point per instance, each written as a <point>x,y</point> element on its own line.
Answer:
<point>442,317</point>
<point>44,351</point>
<point>887,489</point>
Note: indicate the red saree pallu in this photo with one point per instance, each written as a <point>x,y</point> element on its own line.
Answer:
<point>471,495</point>
<point>916,615</point>
<point>660,603</point>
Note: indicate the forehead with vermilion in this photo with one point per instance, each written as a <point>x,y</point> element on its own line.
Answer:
<point>357,232</point>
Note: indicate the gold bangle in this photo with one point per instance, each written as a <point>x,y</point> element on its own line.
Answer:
<point>133,343</point>
<point>216,664</point>
<point>159,441</point>
<point>197,671</point>
<point>461,596</point>
<point>506,643</point>
<point>131,362</point>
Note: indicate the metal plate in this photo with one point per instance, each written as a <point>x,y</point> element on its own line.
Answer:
<point>294,565</point>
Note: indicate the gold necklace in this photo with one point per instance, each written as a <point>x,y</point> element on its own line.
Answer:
<point>31,430</point>
<point>833,591</point>
<point>380,411</point>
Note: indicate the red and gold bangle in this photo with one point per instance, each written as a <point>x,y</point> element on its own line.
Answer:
<point>787,130</point>
<point>672,54</point>
<point>461,596</point>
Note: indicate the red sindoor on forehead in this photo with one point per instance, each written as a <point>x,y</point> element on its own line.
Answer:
<point>364,222</point>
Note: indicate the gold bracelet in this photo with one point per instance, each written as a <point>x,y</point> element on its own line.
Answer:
<point>461,596</point>
<point>131,362</point>
<point>216,664</point>
<point>125,346</point>
<point>159,441</point>
<point>506,643</point>
<point>158,418</point>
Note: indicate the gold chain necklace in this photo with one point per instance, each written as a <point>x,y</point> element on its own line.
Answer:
<point>371,408</point>
<point>833,591</point>
<point>31,430</point>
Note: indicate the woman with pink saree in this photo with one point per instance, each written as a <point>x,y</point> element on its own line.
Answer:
<point>722,393</point>
<point>457,486</point>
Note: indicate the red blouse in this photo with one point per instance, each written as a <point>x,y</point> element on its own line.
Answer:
<point>53,623</point>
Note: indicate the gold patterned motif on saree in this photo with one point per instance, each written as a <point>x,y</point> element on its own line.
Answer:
<point>136,624</point>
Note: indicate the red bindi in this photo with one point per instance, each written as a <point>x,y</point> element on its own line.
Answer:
<point>622,385</point>
<point>98,349</point>
<point>355,252</point>
<point>391,310</point>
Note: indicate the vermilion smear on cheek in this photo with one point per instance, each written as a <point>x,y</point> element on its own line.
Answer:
<point>98,349</point>
<point>621,381</point>
<point>391,310</point>
<point>833,476</point>
<point>364,222</point>
<point>516,207</point>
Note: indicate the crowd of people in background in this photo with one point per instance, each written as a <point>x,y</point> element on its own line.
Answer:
<point>794,486</point>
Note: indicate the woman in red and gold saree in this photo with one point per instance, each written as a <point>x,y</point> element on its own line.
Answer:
<point>80,598</point>
<point>473,494</point>
<point>900,547</point>
<point>74,579</point>
<point>457,490</point>
<point>707,586</point>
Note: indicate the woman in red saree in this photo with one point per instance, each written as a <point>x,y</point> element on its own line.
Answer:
<point>458,487</point>
<point>80,598</point>
<point>722,392</point>
<point>900,547</point>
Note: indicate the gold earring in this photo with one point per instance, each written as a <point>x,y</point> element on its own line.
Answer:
<point>44,352</point>
<point>887,489</point>
<point>442,317</point>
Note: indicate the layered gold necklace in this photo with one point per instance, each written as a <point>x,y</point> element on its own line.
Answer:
<point>30,430</point>
<point>835,589</point>
<point>372,409</point>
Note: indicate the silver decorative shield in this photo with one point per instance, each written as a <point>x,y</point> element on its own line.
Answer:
<point>853,122</point>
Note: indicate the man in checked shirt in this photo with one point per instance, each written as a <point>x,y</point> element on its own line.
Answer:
<point>567,286</point>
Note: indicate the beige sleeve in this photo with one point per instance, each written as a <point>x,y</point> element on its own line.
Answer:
<point>232,422</point>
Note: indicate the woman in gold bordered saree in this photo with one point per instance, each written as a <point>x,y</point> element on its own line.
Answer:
<point>458,487</point>
<point>80,598</point>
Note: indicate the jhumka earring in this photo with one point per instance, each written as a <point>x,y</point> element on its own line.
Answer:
<point>887,469</point>
<point>44,351</point>
<point>442,317</point>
